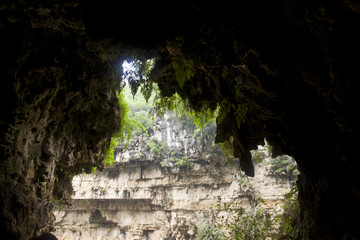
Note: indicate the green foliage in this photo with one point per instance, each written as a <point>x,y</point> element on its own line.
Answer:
<point>245,184</point>
<point>163,104</point>
<point>127,125</point>
<point>183,109</point>
<point>258,156</point>
<point>284,167</point>
<point>197,132</point>
<point>288,221</point>
<point>202,135</point>
<point>137,102</point>
<point>239,111</point>
<point>225,107</point>
<point>140,110</point>
<point>209,232</point>
<point>156,148</point>
<point>184,163</point>
<point>138,76</point>
<point>124,113</point>
<point>245,223</point>
<point>269,147</point>
<point>147,89</point>
<point>134,124</point>
<point>184,69</point>
<point>240,114</point>
<point>258,222</point>
<point>227,149</point>
<point>146,120</point>
<point>109,154</point>
<point>200,118</point>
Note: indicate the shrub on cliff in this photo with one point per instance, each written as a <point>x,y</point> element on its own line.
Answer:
<point>245,223</point>
<point>258,222</point>
<point>289,220</point>
<point>209,232</point>
<point>284,167</point>
<point>128,125</point>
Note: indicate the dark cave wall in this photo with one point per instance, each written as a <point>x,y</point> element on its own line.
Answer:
<point>59,111</point>
<point>292,64</point>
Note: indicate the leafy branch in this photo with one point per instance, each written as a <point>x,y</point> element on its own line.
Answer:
<point>138,75</point>
<point>240,111</point>
<point>184,70</point>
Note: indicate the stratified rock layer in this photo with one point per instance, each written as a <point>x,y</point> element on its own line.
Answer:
<point>144,196</point>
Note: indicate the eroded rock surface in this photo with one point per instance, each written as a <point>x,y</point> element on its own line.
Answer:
<point>59,111</point>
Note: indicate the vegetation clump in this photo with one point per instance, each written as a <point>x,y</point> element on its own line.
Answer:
<point>288,221</point>
<point>245,223</point>
<point>284,166</point>
<point>184,70</point>
<point>260,221</point>
<point>209,231</point>
<point>129,124</point>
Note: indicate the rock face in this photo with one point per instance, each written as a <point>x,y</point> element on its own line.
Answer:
<point>60,110</point>
<point>291,65</point>
<point>146,197</point>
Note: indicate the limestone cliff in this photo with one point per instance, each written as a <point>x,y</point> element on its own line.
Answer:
<point>152,195</point>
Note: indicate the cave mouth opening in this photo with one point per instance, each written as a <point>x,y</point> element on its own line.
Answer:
<point>170,155</point>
